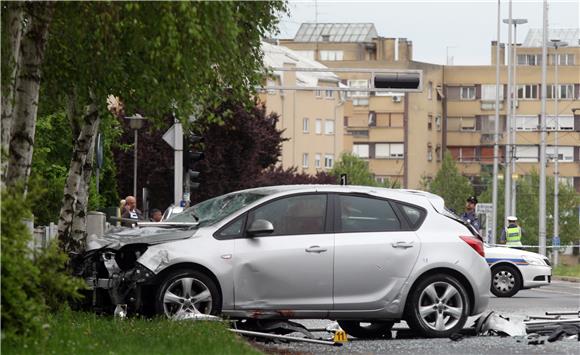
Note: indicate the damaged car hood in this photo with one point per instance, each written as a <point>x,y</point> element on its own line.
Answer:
<point>118,238</point>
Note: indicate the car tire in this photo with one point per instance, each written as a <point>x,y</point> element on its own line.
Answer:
<point>367,330</point>
<point>438,306</point>
<point>188,291</point>
<point>505,281</point>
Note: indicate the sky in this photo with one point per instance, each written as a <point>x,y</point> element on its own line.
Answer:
<point>463,29</point>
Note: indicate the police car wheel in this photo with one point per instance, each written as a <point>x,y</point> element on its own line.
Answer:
<point>505,281</point>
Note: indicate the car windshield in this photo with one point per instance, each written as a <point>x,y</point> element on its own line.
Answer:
<point>217,208</point>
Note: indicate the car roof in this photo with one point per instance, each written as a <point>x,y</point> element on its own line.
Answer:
<point>406,195</point>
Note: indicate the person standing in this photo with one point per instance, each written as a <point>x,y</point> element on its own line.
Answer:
<point>512,234</point>
<point>131,211</point>
<point>469,215</point>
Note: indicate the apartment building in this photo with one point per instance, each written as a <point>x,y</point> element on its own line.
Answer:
<point>403,136</point>
<point>399,134</point>
<point>311,119</point>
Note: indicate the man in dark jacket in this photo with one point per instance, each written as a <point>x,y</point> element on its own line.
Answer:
<point>469,215</point>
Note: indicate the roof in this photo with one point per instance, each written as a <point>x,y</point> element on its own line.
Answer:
<point>336,32</point>
<point>568,35</point>
<point>276,56</point>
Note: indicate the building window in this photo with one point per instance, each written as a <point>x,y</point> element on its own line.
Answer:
<point>430,91</point>
<point>361,150</point>
<point>529,59</point>
<point>528,92</point>
<point>317,160</point>
<point>318,126</point>
<point>362,84</point>
<point>328,161</point>
<point>467,93</point>
<point>429,152</point>
<point>488,92</point>
<point>305,160</point>
<point>565,154</point>
<point>438,122</point>
<point>526,153</point>
<point>306,54</point>
<point>464,154</point>
<point>438,152</point>
<point>389,150</point>
<point>527,123</point>
<point>461,124</point>
<point>328,94</point>
<point>565,123</point>
<point>430,122</point>
<point>318,93</point>
<point>565,91</point>
<point>331,55</point>
<point>305,125</point>
<point>564,59</point>
<point>329,127</point>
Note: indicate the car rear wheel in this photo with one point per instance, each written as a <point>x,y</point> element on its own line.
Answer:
<point>186,292</point>
<point>505,281</point>
<point>438,306</point>
<point>367,330</point>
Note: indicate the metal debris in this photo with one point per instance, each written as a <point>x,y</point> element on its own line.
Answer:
<point>495,324</point>
<point>285,337</point>
<point>120,311</point>
<point>194,316</point>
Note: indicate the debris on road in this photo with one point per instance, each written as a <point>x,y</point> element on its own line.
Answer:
<point>495,324</point>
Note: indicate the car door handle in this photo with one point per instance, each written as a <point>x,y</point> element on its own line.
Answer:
<point>315,249</point>
<point>403,245</point>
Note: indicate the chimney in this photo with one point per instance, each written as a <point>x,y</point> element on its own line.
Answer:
<point>493,52</point>
<point>502,54</point>
<point>289,77</point>
<point>403,50</point>
<point>389,49</point>
<point>410,50</point>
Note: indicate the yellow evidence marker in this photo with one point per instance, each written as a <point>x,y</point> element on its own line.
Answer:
<point>340,336</point>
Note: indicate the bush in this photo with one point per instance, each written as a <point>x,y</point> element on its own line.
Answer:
<point>33,283</point>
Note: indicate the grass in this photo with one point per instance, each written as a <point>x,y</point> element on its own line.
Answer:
<point>83,333</point>
<point>564,270</point>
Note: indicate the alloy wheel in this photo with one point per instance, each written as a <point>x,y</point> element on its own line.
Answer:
<point>187,295</point>
<point>440,306</point>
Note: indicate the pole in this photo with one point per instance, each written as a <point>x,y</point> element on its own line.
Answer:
<point>178,163</point>
<point>542,199</point>
<point>135,165</point>
<point>496,131</point>
<point>508,155</point>
<point>513,123</point>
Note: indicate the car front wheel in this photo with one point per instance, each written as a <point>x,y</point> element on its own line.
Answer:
<point>367,330</point>
<point>184,292</point>
<point>505,281</point>
<point>438,306</point>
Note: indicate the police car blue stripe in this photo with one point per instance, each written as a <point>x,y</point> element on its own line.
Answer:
<point>518,261</point>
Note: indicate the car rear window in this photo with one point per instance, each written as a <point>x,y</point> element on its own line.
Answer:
<point>414,214</point>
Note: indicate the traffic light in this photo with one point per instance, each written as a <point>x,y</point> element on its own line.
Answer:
<point>192,153</point>
<point>398,81</point>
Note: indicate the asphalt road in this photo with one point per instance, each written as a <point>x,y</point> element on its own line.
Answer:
<point>559,296</point>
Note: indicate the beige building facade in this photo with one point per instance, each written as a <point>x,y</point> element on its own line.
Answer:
<point>403,136</point>
<point>311,119</point>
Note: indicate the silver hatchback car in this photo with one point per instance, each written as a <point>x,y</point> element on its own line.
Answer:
<point>365,256</point>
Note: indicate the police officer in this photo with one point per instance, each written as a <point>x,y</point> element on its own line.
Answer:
<point>469,215</point>
<point>512,234</point>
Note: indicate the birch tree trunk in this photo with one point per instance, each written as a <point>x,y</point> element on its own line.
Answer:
<point>72,219</point>
<point>32,48</point>
<point>15,27</point>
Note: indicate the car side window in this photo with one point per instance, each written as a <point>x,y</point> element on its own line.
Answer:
<point>414,214</point>
<point>234,229</point>
<point>364,214</point>
<point>301,214</point>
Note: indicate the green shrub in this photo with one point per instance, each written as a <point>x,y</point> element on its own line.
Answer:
<point>33,283</point>
<point>22,302</point>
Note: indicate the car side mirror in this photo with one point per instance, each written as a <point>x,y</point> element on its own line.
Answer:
<point>260,227</point>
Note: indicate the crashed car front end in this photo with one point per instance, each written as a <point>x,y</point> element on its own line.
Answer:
<point>113,272</point>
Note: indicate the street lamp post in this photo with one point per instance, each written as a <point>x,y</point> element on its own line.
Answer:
<point>136,123</point>
<point>556,43</point>
<point>511,102</point>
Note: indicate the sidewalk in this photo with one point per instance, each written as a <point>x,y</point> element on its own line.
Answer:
<point>566,278</point>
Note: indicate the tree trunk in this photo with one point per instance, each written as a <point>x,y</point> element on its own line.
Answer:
<point>15,26</point>
<point>72,219</point>
<point>32,48</point>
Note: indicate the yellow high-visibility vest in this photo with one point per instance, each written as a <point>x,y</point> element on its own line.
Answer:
<point>513,237</point>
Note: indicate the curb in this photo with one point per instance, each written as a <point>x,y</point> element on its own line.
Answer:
<point>566,278</point>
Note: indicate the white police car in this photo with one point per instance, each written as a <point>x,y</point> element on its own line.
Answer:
<point>514,269</point>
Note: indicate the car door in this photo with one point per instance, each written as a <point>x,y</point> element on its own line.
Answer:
<point>373,254</point>
<point>290,268</point>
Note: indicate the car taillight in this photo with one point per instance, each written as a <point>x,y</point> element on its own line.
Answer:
<point>475,243</point>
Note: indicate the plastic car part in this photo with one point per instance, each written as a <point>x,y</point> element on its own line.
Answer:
<point>367,330</point>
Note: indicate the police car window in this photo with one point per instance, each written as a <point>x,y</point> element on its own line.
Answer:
<point>302,214</point>
<point>362,214</point>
